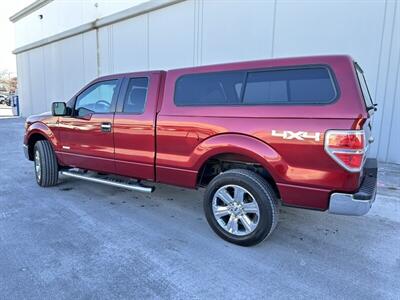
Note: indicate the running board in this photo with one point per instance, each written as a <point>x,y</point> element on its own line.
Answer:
<point>126,184</point>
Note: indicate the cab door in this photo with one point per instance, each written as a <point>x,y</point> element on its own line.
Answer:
<point>134,125</point>
<point>87,135</point>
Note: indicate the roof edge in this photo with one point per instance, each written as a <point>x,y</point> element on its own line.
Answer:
<point>29,9</point>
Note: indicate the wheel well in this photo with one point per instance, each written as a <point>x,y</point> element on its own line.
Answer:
<point>32,141</point>
<point>226,161</point>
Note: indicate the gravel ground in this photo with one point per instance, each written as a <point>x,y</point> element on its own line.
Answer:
<point>81,240</point>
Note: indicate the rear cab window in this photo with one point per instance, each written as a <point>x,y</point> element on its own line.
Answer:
<point>135,97</point>
<point>297,85</point>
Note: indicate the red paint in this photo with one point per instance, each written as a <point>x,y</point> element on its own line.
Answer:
<point>134,135</point>
<point>169,144</point>
<point>89,147</point>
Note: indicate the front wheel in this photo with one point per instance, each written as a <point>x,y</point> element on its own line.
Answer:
<point>241,207</point>
<point>45,163</point>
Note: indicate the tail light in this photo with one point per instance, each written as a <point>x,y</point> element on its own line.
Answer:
<point>347,148</point>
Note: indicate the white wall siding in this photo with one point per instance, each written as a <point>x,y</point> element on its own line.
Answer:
<point>171,36</point>
<point>130,41</point>
<point>37,76</point>
<point>242,30</point>
<point>77,55</point>
<point>55,72</point>
<point>149,41</point>
<point>329,27</point>
<point>61,15</point>
<point>387,85</point>
<point>123,46</point>
<point>203,32</point>
<point>24,83</point>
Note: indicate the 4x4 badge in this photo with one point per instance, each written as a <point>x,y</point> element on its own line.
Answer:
<point>299,135</point>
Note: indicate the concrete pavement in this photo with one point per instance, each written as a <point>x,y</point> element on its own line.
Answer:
<point>5,111</point>
<point>80,240</point>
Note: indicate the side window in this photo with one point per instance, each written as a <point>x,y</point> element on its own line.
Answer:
<point>96,98</point>
<point>135,97</point>
<point>220,88</point>
<point>308,85</point>
<point>305,85</point>
<point>260,90</point>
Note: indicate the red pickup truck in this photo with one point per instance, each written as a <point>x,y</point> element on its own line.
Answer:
<point>255,134</point>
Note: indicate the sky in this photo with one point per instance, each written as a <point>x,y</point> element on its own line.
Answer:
<point>7,39</point>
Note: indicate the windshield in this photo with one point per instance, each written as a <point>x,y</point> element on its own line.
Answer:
<point>364,87</point>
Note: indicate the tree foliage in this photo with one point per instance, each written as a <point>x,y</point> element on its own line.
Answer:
<point>8,82</point>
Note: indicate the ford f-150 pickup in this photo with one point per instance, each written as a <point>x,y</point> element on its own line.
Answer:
<point>257,134</point>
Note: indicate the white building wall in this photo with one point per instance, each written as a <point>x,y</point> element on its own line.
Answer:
<point>171,36</point>
<point>202,32</point>
<point>24,87</point>
<point>55,71</point>
<point>62,15</point>
<point>241,31</point>
<point>123,46</point>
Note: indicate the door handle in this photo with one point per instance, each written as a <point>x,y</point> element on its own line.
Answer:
<point>105,127</point>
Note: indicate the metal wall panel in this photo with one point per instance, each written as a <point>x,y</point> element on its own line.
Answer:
<point>61,15</point>
<point>202,32</point>
<point>24,84</point>
<point>55,72</point>
<point>72,62</point>
<point>242,30</point>
<point>387,91</point>
<point>38,90</point>
<point>171,36</point>
<point>123,46</point>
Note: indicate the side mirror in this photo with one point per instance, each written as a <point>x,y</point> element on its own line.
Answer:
<point>59,109</point>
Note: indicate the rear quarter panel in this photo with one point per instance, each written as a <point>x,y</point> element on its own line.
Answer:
<point>304,173</point>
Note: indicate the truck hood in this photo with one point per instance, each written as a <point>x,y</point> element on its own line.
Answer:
<point>39,117</point>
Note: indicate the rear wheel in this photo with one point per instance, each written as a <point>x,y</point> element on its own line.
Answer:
<point>45,162</point>
<point>241,207</point>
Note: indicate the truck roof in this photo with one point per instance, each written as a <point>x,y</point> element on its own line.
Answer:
<point>273,62</point>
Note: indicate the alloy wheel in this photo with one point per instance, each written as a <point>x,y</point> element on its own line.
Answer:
<point>236,210</point>
<point>37,165</point>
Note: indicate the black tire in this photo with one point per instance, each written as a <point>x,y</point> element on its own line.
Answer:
<point>47,173</point>
<point>260,191</point>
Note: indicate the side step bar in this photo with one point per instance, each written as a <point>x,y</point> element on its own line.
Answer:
<point>126,184</point>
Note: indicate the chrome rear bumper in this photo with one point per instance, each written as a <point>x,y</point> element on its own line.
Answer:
<point>359,203</point>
